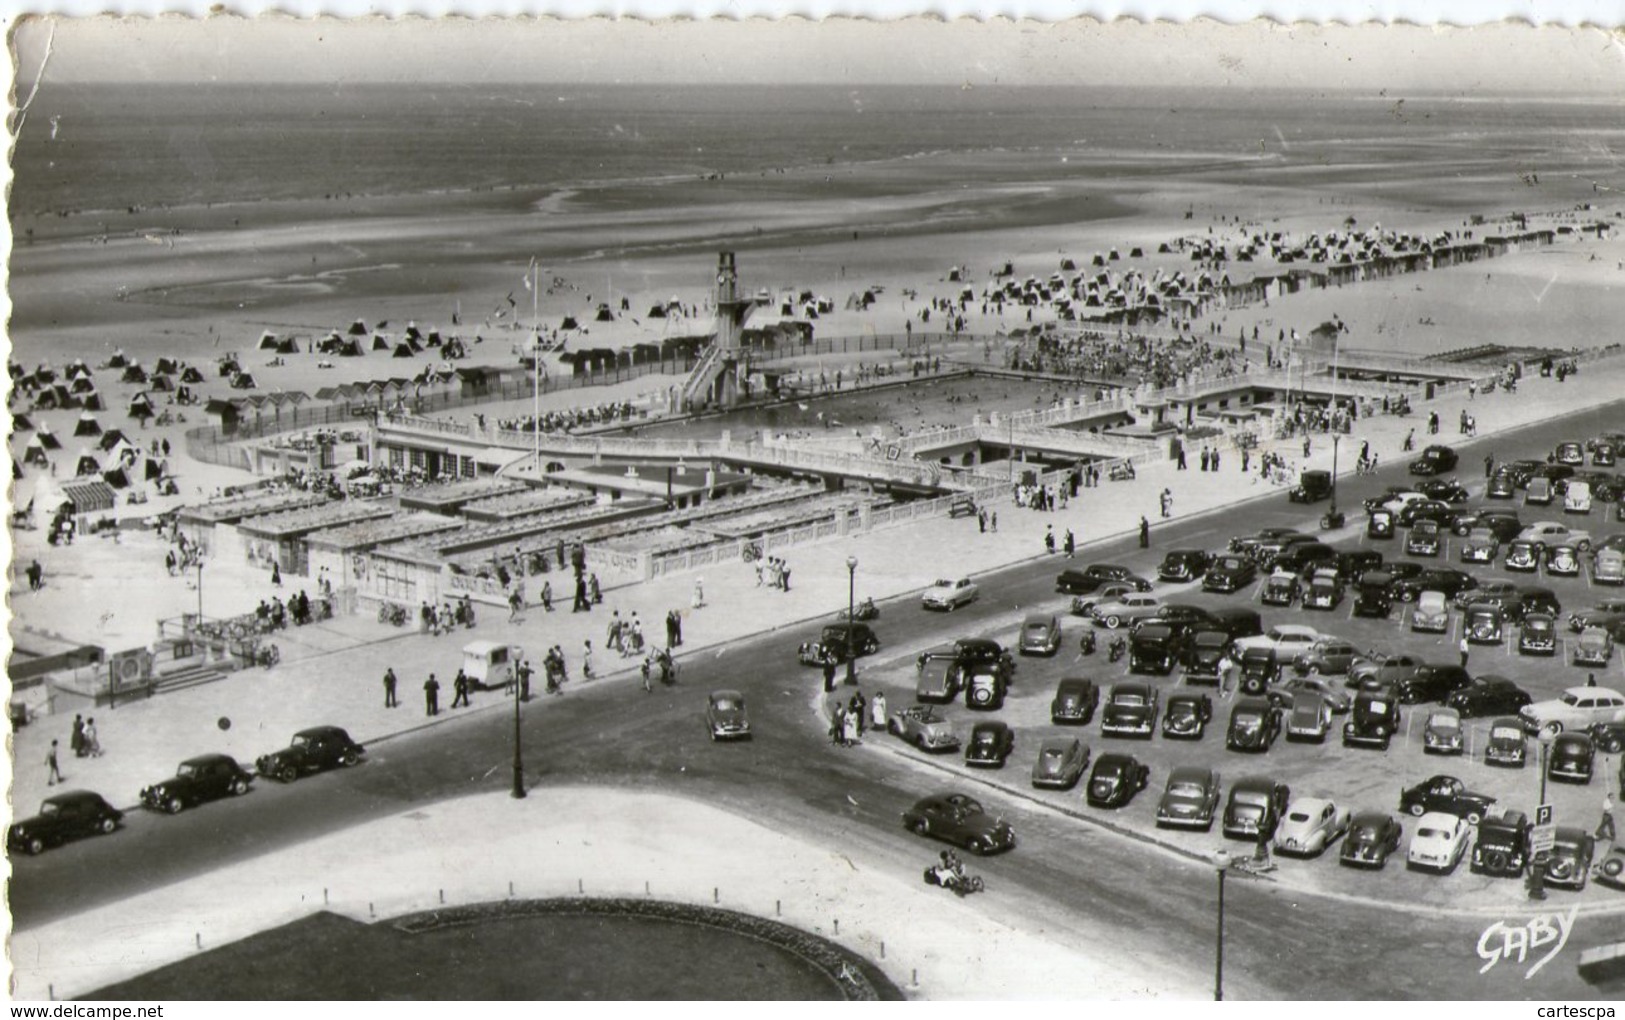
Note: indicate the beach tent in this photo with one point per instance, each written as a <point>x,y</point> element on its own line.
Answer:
<point>140,406</point>
<point>34,453</point>
<point>43,372</point>
<point>162,383</point>
<point>569,323</point>
<point>243,381</point>
<point>165,366</point>
<point>155,469</point>
<point>380,343</point>
<point>656,312</point>
<point>20,423</point>
<point>87,464</point>
<point>268,341</point>
<point>87,425</point>
<point>116,478</point>
<point>133,373</point>
<point>358,328</point>
<point>604,314</point>
<point>228,365</point>
<point>403,350</point>
<point>48,438</point>
<point>190,374</point>
<point>111,438</point>
<point>118,360</point>
<point>412,331</point>
<point>93,402</point>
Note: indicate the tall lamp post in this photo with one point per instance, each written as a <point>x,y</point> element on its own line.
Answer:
<point>1222,860</point>
<point>200,591</point>
<point>851,605</point>
<point>518,791</point>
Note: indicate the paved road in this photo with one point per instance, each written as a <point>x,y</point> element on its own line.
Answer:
<point>1064,877</point>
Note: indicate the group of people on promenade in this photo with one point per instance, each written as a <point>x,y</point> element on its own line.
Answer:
<point>609,412</point>
<point>850,719</point>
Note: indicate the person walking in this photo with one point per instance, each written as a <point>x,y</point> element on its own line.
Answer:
<point>637,633</point>
<point>1215,458</point>
<point>829,671</point>
<point>671,629</point>
<point>587,672</point>
<point>784,576</point>
<point>1463,647</point>
<point>1069,543</point>
<point>515,604</point>
<point>1145,533</point>
<point>547,595</point>
<point>646,668</point>
<point>1049,538</point>
<point>596,592</point>
<point>431,696</point>
<point>276,575</point>
<point>76,740</point>
<point>389,689</point>
<point>53,771</point>
<point>1605,826</point>
<point>699,593</point>
<point>877,711</point>
<point>93,743</point>
<point>459,688</point>
<point>613,638</point>
<point>524,672</point>
<point>857,707</point>
<point>993,521</point>
<point>1489,465</point>
<point>582,603</point>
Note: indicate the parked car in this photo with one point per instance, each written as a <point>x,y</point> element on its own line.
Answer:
<point>1154,648</point>
<point>990,744</point>
<point>832,644</point>
<point>1312,487</point>
<point>1380,522</point>
<point>1087,580</point>
<point>1372,837</point>
<point>1602,614</point>
<point>1538,492</point>
<point>1424,539</point>
<point>1570,453</point>
<point>1309,718</point>
<point>1440,842</point>
<point>1337,699</point>
<point>1503,523</point>
<point>1431,682</point>
<point>985,688</point>
<point>949,594</point>
<point>1502,847</point>
<point>1202,656</point>
<point>938,675</point>
<point>1190,799</point>
<point>1280,589</point>
<point>1131,710</point>
<point>1577,497</point>
<point>1115,779</point>
<point>1609,737</point>
<point>1372,598</point>
<point>1488,695</point>
<point>198,780</point>
<point>960,819</point>
<point>1571,758</point>
<point>1537,634</point>
<point>1186,715</point>
<point>924,727</point>
<point>1075,701</point>
<point>1550,533</point>
<point>1562,560</point>
<point>1594,647</point>
<point>1325,592</point>
<point>1484,624</point>
<point>1246,544</point>
<point>313,750</point>
<point>1382,669</point>
<point>1433,510</point>
<point>1111,591</point>
<point>1184,617</point>
<point>725,716</point>
<point>1284,640</point>
<point>1522,556</point>
<point>1040,634</point>
<point>1239,622</point>
<point>1608,567</point>
<point>1258,670</point>
<point>1435,460</point>
<point>1372,720</point>
<point>1353,564</point>
<point>1501,486</point>
<point>63,816</point>
<point>1577,708</point>
<point>1432,613</point>
<point>1305,558</point>
<point>1507,743</point>
<point>1328,656</point>
<point>1568,863</point>
<point>1060,764</point>
<point>1229,573</point>
<point>1502,594</point>
<point>1442,733</point>
<point>1447,794</point>
<point>1184,565</point>
<point>986,653</point>
<point>1254,725</point>
<point>1448,580</point>
<point>1125,610</point>
<point>1256,802</point>
<point>1480,546</point>
<point>1310,826</point>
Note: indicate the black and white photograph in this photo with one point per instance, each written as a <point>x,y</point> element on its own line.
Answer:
<point>714,509</point>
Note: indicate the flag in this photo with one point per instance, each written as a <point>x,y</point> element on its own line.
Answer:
<point>528,270</point>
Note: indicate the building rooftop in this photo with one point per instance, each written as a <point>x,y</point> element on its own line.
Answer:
<point>446,499</point>
<point>522,504</point>
<point>229,511</point>
<point>379,531</point>
<point>300,522</point>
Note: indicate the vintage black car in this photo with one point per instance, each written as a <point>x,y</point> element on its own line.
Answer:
<point>1520,471</point>
<point>1372,837</point>
<point>1312,487</point>
<point>1502,848</point>
<point>985,688</point>
<point>961,820</point>
<point>1488,695</point>
<point>1280,589</point>
<point>1354,564</point>
<point>1431,682</point>
<point>1539,600</point>
<point>1239,622</point>
<point>1186,715</point>
<point>1380,522</point>
<point>204,778</point>
<point>1258,670</point>
<point>1416,511</point>
<point>1435,460</point>
<point>1229,573</point>
<point>1255,802</point>
<point>1507,743</point>
<point>938,675</point>
<point>990,744</point>
<point>1131,710</point>
<point>63,817</point>
<point>1522,555</point>
<point>1444,579</point>
<point>1608,736</point>
<point>1484,624</point>
<point>313,750</point>
<point>1254,725</point>
<point>974,653</point>
<point>1571,758</point>
<point>1154,648</point>
<point>1445,490</point>
<point>1082,582</point>
<point>1202,656</point>
<point>1184,565</point>
<point>1501,522</point>
<point>1424,539</point>
<point>726,717</point>
<point>1568,863</point>
<point>1115,779</point>
<point>1537,634</point>
<point>1305,558</point>
<point>831,644</point>
<point>1371,598</point>
<point>1447,794</point>
<point>1325,592</point>
<point>1501,485</point>
<point>1248,543</point>
<point>1372,721</point>
<point>1075,701</point>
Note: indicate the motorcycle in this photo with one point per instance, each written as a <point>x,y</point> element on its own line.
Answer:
<point>954,879</point>
<point>865,610</point>
<point>1254,865</point>
<point>1117,649</point>
<point>268,656</point>
<point>1087,645</point>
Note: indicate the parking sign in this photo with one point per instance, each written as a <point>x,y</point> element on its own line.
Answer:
<point>1545,832</point>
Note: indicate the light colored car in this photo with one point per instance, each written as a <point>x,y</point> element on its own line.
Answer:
<point>1331,656</point>
<point>1310,826</point>
<point>1190,799</point>
<point>950,594</point>
<point>1577,498</point>
<point>1309,718</point>
<point>1382,668</point>
<point>1440,842</point>
<point>1131,607</point>
<point>1576,709</point>
<point>1432,613</point>
<point>924,727</point>
<point>1594,647</point>
<point>1442,733</point>
<point>1400,500</point>
<point>725,716</point>
<point>1060,764</point>
<point>1553,532</point>
<point>1284,641</point>
<point>1608,567</point>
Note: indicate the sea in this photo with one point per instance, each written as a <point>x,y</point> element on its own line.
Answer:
<point>92,147</point>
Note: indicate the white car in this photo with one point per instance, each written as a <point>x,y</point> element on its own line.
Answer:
<point>1130,607</point>
<point>950,594</point>
<point>1400,500</point>
<point>1440,842</point>
<point>1310,826</point>
<point>1286,640</point>
<point>1577,709</point>
<point>1556,532</point>
<point>1432,613</point>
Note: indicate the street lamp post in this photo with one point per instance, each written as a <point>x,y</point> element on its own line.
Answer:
<point>518,792</point>
<point>851,607</point>
<point>1218,954</point>
<point>200,591</point>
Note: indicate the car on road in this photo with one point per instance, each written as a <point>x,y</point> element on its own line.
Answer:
<point>1155,648</point>
<point>1229,573</point>
<point>1309,717</point>
<point>1447,794</point>
<point>1435,460</point>
<point>1594,647</point>
<point>1448,580</point>
<point>1190,799</point>
<point>1501,486</point>
<point>1115,779</point>
<point>1075,701</point>
<point>198,780</point>
<point>990,744</point>
<point>1371,597</point>
<point>62,817</point>
<point>1568,863</point>
<point>314,750</point>
<point>924,727</point>
<point>949,594</point>
<point>1562,560</point>
<point>1537,634</point>
<point>1522,556</point>
<point>1127,609</point>
<point>1254,725</point>
<point>1090,578</point>
<point>1570,453</point>
<point>938,675</point>
<point>1431,682</point>
<point>1186,715</point>
<point>1480,546</point>
<point>725,716</point>
<point>1432,613</point>
<point>832,643</point>
<point>1131,710</point>
<point>1503,523</point>
<point>1256,802</point>
<point>1338,700</point>
<point>1440,842</point>
<point>1060,764</point>
<point>1040,634</point>
<point>1572,758</point>
<point>1488,695</point>
<point>1328,656</point>
<point>1311,825</point>
<point>1601,614</point>
<point>1507,743</point>
<point>960,819</point>
<point>1550,533</point>
<point>1502,847</point>
<point>1184,565</point>
<point>1325,592</point>
<point>1484,624</point>
<point>1424,539</point>
<point>1247,545</point>
<point>1372,721</point>
<point>1442,732</point>
<point>1372,837</point>
<point>1202,656</point>
<point>1577,708</point>
<point>1312,487</point>
<point>1380,522</point>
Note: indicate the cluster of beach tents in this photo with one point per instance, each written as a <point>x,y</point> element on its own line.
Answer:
<point>358,340</point>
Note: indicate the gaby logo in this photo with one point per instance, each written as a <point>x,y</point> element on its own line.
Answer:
<point>1502,941</point>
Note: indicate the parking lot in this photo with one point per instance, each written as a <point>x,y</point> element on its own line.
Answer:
<point>1354,778</point>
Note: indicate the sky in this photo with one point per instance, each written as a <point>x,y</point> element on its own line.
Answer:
<point>1413,59</point>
